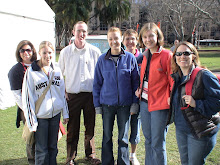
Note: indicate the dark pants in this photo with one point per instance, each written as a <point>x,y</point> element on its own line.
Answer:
<point>46,138</point>
<point>108,118</point>
<point>80,102</point>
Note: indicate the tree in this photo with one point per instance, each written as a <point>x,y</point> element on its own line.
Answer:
<point>110,11</point>
<point>68,12</point>
<point>182,16</point>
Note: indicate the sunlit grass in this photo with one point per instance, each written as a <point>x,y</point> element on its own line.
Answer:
<point>13,147</point>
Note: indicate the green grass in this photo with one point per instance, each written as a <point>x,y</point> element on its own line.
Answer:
<point>12,146</point>
<point>210,59</point>
<point>209,48</point>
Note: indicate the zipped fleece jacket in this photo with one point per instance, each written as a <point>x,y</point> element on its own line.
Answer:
<point>34,83</point>
<point>115,83</point>
<point>159,80</point>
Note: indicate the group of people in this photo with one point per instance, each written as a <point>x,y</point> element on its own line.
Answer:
<point>145,90</point>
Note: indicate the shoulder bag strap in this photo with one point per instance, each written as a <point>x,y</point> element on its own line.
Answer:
<point>189,84</point>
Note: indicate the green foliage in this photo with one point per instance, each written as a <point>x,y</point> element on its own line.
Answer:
<point>13,147</point>
<point>119,9</point>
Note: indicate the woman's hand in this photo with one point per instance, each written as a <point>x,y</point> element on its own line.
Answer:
<point>138,92</point>
<point>65,121</point>
<point>168,101</point>
<point>189,100</point>
<point>67,97</point>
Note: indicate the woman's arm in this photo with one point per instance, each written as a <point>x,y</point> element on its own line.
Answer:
<point>211,104</point>
<point>28,101</point>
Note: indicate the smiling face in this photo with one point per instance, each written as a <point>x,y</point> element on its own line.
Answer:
<point>130,42</point>
<point>149,39</point>
<point>184,61</point>
<point>114,41</point>
<point>46,55</point>
<point>26,54</point>
<point>80,33</point>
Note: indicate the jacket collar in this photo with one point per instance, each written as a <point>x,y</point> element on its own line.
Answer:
<point>36,67</point>
<point>108,54</point>
<point>176,75</point>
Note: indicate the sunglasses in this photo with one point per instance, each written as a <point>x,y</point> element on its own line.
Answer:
<point>183,53</point>
<point>25,50</point>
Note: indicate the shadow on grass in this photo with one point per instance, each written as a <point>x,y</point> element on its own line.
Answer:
<point>23,161</point>
<point>19,161</point>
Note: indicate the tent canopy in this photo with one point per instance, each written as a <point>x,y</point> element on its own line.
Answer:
<point>31,20</point>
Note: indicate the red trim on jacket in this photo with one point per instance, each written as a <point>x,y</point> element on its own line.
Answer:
<point>159,80</point>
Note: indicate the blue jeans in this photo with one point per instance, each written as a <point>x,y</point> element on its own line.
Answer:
<point>108,118</point>
<point>194,151</point>
<point>46,138</point>
<point>135,124</point>
<point>154,130</point>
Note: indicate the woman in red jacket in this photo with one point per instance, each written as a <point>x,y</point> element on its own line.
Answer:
<point>154,91</point>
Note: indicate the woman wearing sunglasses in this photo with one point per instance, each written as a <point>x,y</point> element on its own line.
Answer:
<point>197,125</point>
<point>25,55</point>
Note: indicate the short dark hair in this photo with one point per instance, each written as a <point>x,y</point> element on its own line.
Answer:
<point>20,45</point>
<point>129,32</point>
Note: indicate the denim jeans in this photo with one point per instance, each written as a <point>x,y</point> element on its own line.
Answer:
<point>108,118</point>
<point>154,130</point>
<point>194,151</point>
<point>135,124</point>
<point>46,138</point>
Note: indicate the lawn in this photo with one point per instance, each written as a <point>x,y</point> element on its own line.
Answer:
<point>13,147</point>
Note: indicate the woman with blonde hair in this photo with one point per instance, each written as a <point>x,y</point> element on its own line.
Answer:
<point>45,123</point>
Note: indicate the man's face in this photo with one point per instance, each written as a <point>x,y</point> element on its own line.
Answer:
<point>80,33</point>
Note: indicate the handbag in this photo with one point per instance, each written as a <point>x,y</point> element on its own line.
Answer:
<point>27,135</point>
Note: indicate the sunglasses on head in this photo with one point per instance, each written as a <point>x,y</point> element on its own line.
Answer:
<point>183,53</point>
<point>23,50</point>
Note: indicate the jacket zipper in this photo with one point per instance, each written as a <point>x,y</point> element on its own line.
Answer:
<point>51,94</point>
<point>48,77</point>
<point>116,68</point>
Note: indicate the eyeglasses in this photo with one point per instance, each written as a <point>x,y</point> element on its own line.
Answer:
<point>25,50</point>
<point>183,53</point>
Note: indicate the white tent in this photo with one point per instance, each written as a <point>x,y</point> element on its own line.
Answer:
<point>31,20</point>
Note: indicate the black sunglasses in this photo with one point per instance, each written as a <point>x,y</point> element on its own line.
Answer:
<point>183,53</point>
<point>23,50</point>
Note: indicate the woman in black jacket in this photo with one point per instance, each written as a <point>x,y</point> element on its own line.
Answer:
<point>197,124</point>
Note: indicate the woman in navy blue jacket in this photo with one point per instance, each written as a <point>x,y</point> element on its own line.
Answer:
<point>197,124</point>
<point>115,82</point>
